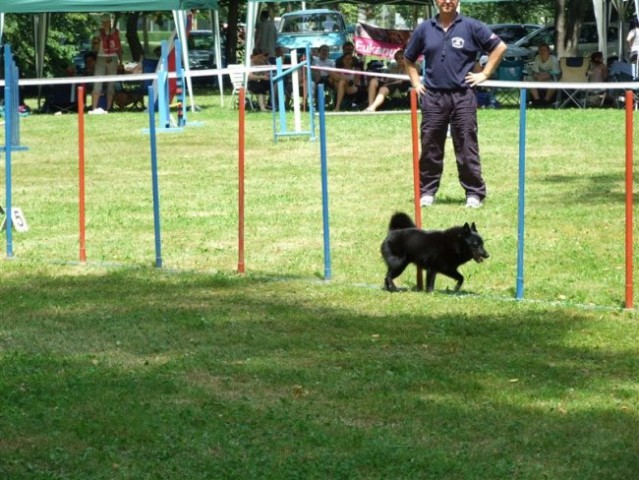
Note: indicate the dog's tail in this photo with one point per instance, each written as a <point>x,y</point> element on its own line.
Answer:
<point>400,220</point>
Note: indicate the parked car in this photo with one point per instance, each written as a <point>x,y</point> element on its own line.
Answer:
<point>201,45</point>
<point>511,32</point>
<point>314,28</point>
<point>526,47</point>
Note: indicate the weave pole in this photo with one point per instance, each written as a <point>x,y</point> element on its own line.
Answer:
<point>154,184</point>
<point>81,175</point>
<point>324,167</point>
<point>521,212</point>
<point>630,101</point>
<point>416,189</point>
<point>240,223</point>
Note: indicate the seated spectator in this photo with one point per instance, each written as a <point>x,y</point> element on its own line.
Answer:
<point>258,82</point>
<point>347,83</point>
<point>380,88</point>
<point>322,60</point>
<point>89,63</point>
<point>545,68</point>
<point>598,73</point>
<point>347,49</point>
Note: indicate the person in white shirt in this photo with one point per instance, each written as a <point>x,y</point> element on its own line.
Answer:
<point>633,45</point>
<point>322,60</point>
<point>545,68</point>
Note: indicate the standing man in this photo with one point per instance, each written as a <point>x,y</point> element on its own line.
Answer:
<point>266,35</point>
<point>451,44</point>
<point>109,58</point>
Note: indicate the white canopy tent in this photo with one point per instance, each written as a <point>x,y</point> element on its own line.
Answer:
<point>602,14</point>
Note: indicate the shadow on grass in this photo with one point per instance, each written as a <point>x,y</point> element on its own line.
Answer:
<point>603,188</point>
<point>140,374</point>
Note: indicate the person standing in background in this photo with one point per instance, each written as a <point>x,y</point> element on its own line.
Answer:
<point>109,59</point>
<point>266,35</point>
<point>633,45</point>
<point>450,44</point>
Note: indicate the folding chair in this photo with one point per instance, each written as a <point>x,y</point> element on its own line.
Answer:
<point>622,72</point>
<point>60,98</point>
<point>573,70</point>
<point>509,71</point>
<point>236,74</point>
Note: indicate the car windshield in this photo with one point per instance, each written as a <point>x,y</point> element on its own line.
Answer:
<point>544,35</point>
<point>200,42</point>
<point>512,33</point>
<point>315,22</point>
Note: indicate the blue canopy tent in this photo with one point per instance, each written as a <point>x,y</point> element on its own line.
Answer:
<point>43,9</point>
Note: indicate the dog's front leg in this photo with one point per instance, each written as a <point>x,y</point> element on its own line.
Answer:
<point>388,284</point>
<point>430,280</point>
<point>460,281</point>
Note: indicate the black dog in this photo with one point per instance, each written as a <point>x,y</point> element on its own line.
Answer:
<point>436,251</point>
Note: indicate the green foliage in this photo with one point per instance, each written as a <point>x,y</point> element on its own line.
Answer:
<point>68,33</point>
<point>516,11</point>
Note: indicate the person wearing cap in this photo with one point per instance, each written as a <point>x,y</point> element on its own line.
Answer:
<point>109,58</point>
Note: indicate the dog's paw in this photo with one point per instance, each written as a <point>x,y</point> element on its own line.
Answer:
<point>390,287</point>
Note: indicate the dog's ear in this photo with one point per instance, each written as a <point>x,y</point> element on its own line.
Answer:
<point>466,228</point>
<point>473,227</point>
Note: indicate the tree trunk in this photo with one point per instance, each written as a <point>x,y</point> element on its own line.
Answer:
<point>137,52</point>
<point>231,32</point>
<point>568,22</point>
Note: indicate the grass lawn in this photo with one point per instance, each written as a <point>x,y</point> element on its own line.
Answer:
<point>118,370</point>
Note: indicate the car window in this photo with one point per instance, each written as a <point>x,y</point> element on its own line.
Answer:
<point>546,35</point>
<point>200,42</point>
<point>529,29</point>
<point>510,34</point>
<point>588,34</point>
<point>316,22</point>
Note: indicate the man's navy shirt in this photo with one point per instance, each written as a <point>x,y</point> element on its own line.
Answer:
<point>452,54</point>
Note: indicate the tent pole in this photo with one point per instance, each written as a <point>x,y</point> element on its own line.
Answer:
<point>180,25</point>
<point>218,52</point>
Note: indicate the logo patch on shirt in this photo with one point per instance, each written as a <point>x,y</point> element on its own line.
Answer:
<point>457,42</point>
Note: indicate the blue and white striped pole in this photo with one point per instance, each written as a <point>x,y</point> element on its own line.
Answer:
<point>522,195</point>
<point>324,169</point>
<point>154,183</point>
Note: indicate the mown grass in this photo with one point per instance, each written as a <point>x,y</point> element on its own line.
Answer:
<point>116,369</point>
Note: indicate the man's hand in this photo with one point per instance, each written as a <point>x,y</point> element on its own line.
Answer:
<point>475,78</point>
<point>420,89</point>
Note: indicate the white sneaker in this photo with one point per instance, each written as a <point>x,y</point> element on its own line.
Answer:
<point>473,202</point>
<point>97,111</point>
<point>427,200</point>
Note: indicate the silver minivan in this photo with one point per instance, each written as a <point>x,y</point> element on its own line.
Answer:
<point>526,47</point>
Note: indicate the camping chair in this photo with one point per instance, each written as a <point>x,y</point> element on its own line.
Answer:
<point>60,98</point>
<point>509,71</point>
<point>236,74</point>
<point>573,70</point>
<point>622,72</point>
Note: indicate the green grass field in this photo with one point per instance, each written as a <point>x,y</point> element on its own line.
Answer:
<point>116,369</point>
